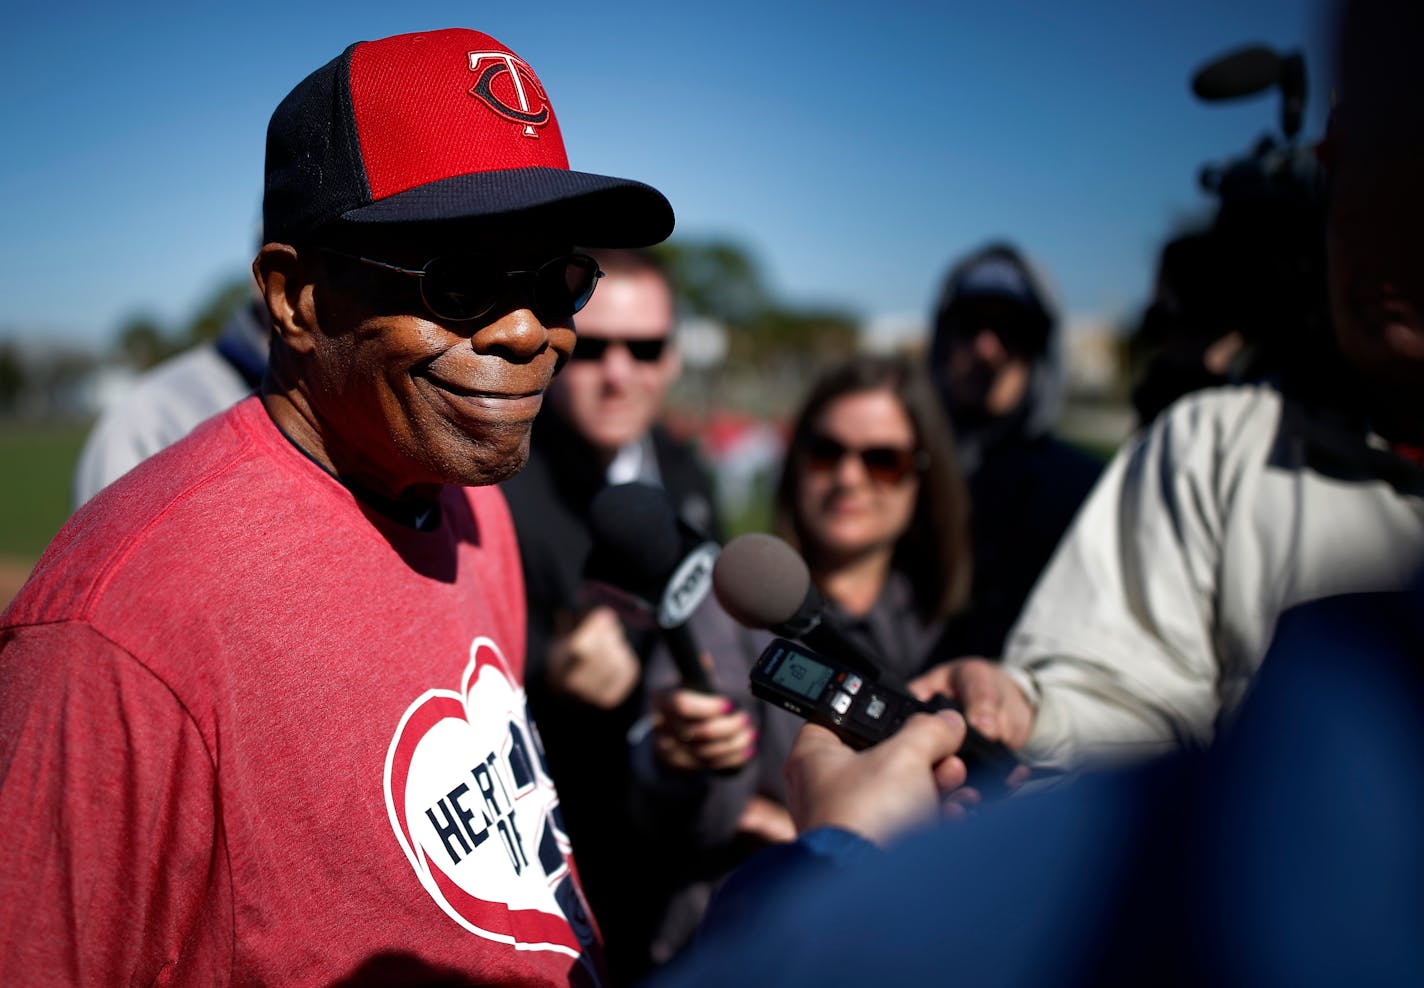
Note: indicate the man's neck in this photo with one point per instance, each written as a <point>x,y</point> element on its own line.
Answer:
<point>295,419</point>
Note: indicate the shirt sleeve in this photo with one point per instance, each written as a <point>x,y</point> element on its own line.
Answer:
<point>112,851</point>
<point>1117,645</point>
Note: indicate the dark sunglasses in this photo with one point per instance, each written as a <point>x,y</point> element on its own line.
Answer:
<point>459,288</point>
<point>883,464</point>
<point>592,348</point>
<point>1020,330</point>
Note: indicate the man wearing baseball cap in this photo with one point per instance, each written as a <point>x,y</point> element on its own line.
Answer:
<point>262,718</point>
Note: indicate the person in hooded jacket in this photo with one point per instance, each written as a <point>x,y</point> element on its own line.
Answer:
<point>996,359</point>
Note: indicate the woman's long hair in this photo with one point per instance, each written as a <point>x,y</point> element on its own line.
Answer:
<point>934,551</point>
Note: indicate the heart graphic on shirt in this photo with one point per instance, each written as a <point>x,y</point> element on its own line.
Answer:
<point>476,813</point>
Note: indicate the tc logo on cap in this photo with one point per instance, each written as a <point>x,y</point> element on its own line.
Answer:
<point>530,106</point>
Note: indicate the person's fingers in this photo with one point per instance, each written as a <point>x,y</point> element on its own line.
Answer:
<point>767,821</point>
<point>953,811</point>
<point>690,705</point>
<point>813,739</point>
<point>728,749</point>
<point>739,745</point>
<point>714,730</point>
<point>934,737</point>
<point>932,681</point>
<point>599,625</point>
<point>673,754</point>
<point>601,677</point>
<point>950,774</point>
<point>966,797</point>
<point>730,759</point>
<point>979,688</point>
<point>611,684</point>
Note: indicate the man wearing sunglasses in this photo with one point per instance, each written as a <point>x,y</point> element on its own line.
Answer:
<point>585,665</point>
<point>262,718</point>
<point>995,356</point>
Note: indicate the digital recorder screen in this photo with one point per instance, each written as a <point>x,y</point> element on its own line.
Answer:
<point>802,675</point>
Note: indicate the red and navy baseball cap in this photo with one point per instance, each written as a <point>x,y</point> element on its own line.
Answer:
<point>434,128</point>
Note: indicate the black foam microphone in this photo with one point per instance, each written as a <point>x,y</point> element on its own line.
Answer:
<point>1244,72</point>
<point>763,583</point>
<point>652,567</point>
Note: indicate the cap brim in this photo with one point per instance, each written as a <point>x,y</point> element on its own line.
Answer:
<point>582,208</point>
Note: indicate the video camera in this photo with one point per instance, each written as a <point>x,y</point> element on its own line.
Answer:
<point>1270,221</point>
<point>1258,270</point>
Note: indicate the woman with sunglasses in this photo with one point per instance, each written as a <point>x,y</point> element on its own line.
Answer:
<point>872,496</point>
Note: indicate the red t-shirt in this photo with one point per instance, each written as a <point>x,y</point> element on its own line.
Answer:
<point>254,733</point>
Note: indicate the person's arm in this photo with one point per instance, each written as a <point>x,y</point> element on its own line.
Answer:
<point>846,803</point>
<point>688,737</point>
<point>111,870</point>
<point>1116,654</point>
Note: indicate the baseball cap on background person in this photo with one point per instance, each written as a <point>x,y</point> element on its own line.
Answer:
<point>996,282</point>
<point>435,128</point>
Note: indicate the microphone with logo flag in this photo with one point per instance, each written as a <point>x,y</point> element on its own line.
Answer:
<point>651,567</point>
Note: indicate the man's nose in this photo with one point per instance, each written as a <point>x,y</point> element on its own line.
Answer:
<point>989,346</point>
<point>618,362</point>
<point>518,335</point>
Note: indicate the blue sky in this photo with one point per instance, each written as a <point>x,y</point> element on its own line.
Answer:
<point>855,148</point>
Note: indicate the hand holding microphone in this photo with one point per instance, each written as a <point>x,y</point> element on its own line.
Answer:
<point>655,570</point>
<point>763,583</point>
<point>651,567</point>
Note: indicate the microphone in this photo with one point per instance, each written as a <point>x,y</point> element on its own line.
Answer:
<point>1241,73</point>
<point>763,583</point>
<point>652,567</point>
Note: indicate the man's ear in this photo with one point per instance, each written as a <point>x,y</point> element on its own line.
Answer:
<point>287,284</point>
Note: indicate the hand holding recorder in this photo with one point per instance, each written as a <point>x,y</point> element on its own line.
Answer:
<point>763,583</point>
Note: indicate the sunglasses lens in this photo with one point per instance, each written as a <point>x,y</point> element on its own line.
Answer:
<point>887,465</point>
<point>882,464</point>
<point>564,285</point>
<point>589,348</point>
<point>594,347</point>
<point>458,288</point>
<point>823,453</point>
<point>462,288</point>
<point>646,350</point>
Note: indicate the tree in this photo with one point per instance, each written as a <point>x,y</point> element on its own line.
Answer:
<point>715,279</point>
<point>142,342</point>
<point>215,311</point>
<point>722,281</point>
<point>12,377</point>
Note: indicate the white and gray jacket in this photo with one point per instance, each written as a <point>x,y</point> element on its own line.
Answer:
<point>1160,603</point>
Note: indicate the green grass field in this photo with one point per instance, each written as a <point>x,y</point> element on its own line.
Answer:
<point>37,462</point>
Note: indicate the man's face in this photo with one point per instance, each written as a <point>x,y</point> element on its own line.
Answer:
<point>986,368</point>
<point>407,400</point>
<point>615,399</point>
<point>1376,254</point>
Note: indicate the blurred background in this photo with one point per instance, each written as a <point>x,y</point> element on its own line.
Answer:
<point>827,162</point>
